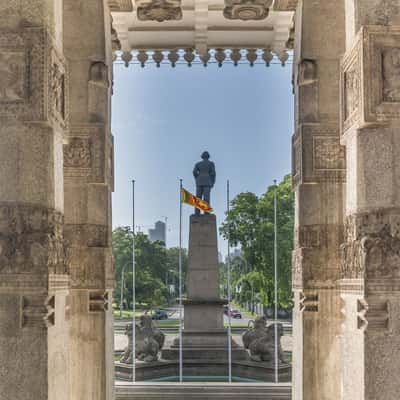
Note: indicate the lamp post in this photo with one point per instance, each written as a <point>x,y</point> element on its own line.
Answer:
<point>122,289</point>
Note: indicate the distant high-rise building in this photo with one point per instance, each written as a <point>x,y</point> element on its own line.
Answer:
<point>220,258</point>
<point>158,233</point>
<point>236,253</point>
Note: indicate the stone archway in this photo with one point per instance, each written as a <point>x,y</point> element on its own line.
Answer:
<point>55,210</point>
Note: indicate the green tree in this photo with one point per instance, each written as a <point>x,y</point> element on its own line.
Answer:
<point>250,224</point>
<point>156,269</point>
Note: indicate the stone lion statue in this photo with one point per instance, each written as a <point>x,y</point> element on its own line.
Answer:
<point>260,341</point>
<point>149,341</point>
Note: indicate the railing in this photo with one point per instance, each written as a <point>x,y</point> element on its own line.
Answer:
<point>187,391</point>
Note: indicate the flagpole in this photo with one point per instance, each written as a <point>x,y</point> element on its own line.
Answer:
<point>180,285</point>
<point>133,287</point>
<point>276,282</point>
<point>229,293</point>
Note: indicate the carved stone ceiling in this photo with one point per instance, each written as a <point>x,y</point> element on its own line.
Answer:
<point>203,24</point>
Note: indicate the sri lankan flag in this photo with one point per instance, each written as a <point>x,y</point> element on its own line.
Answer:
<point>194,201</point>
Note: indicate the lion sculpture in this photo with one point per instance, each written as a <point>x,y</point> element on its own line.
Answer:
<point>149,341</point>
<point>260,341</point>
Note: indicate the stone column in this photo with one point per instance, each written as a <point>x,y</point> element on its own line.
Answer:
<point>370,284</point>
<point>88,184</point>
<point>33,274</point>
<point>318,180</point>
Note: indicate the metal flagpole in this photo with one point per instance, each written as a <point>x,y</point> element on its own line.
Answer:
<point>229,294</point>
<point>133,287</point>
<point>276,282</point>
<point>180,285</point>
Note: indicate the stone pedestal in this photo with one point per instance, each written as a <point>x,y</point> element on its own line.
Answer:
<point>204,335</point>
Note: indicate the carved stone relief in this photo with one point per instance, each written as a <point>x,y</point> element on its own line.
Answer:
<point>369,78</point>
<point>318,155</point>
<point>77,153</point>
<point>84,154</point>
<point>312,236</point>
<point>86,268</point>
<point>31,240</point>
<point>329,154</point>
<point>159,10</point>
<point>385,11</point>
<point>297,275</point>
<point>372,248</point>
<point>307,71</point>
<point>89,235</point>
<point>12,76</point>
<point>247,10</point>
<point>391,74</point>
<point>352,90</point>
<point>57,87</point>
<point>33,77</point>
<point>296,161</point>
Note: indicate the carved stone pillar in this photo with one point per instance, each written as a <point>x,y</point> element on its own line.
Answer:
<point>88,185</point>
<point>370,274</point>
<point>33,273</point>
<point>318,180</point>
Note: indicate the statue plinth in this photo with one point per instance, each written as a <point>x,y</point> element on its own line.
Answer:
<point>204,335</point>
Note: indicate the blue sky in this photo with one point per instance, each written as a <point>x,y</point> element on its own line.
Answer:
<point>163,118</point>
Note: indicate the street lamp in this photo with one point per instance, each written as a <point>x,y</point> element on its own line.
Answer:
<point>122,289</point>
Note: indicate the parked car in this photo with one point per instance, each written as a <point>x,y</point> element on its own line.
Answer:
<point>236,314</point>
<point>160,314</point>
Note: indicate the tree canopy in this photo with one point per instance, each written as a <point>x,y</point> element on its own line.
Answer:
<point>156,269</point>
<point>250,225</point>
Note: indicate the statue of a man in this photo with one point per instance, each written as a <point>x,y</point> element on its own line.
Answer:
<point>204,174</point>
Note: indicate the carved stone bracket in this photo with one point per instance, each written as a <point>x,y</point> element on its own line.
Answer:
<point>98,301</point>
<point>369,78</point>
<point>31,240</point>
<point>309,302</point>
<point>33,86</point>
<point>159,10</point>
<point>247,10</point>
<point>373,315</point>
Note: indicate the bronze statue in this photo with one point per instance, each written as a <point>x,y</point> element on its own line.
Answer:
<point>204,174</point>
